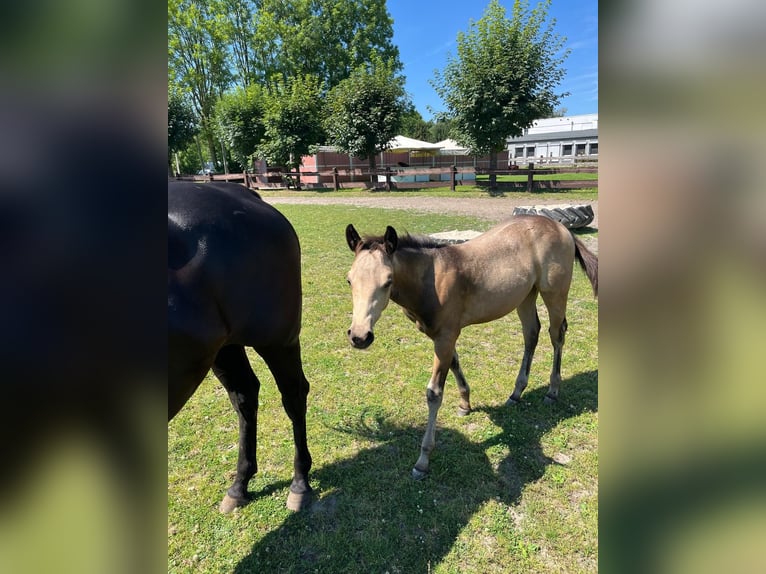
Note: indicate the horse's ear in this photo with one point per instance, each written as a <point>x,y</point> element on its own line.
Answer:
<point>352,237</point>
<point>390,239</point>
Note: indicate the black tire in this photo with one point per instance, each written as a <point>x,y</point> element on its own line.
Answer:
<point>571,216</point>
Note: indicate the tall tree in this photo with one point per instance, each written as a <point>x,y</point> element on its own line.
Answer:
<point>240,122</point>
<point>235,20</point>
<point>327,39</point>
<point>364,111</point>
<point>182,124</point>
<point>198,58</point>
<point>292,122</point>
<point>504,77</point>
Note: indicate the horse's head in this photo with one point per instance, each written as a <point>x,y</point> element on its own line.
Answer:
<point>370,277</point>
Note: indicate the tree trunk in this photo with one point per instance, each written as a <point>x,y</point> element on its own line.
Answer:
<point>373,168</point>
<point>211,146</point>
<point>492,169</point>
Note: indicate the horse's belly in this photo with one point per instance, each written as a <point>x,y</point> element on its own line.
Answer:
<point>489,305</point>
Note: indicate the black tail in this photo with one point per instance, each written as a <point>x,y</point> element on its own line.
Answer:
<point>589,263</point>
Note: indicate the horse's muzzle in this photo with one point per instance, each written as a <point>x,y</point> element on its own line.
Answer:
<point>361,342</point>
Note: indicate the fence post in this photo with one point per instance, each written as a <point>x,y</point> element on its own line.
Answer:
<point>335,182</point>
<point>388,179</point>
<point>530,176</point>
<point>452,177</point>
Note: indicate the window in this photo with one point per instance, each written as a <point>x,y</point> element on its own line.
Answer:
<point>518,152</point>
<point>580,149</point>
<point>593,148</point>
<point>566,149</point>
<point>531,151</point>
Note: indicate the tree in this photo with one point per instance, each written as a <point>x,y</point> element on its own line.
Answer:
<point>503,78</point>
<point>440,129</point>
<point>198,58</point>
<point>292,122</point>
<point>414,126</point>
<point>240,123</point>
<point>182,124</point>
<point>364,111</point>
<point>327,39</point>
<point>235,20</point>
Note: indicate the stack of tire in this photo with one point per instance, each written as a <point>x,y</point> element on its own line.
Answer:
<point>571,216</point>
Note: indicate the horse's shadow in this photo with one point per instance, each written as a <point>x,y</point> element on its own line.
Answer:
<point>371,499</point>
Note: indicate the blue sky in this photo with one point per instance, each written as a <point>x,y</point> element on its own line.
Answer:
<point>426,30</point>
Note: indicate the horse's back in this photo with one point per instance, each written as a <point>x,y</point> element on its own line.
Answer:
<point>501,266</point>
<point>233,267</point>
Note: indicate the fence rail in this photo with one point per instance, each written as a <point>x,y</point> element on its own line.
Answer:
<point>404,178</point>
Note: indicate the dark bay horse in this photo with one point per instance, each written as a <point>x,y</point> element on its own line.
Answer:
<point>443,288</point>
<point>234,280</point>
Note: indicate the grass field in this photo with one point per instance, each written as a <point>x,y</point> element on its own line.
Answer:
<point>510,489</point>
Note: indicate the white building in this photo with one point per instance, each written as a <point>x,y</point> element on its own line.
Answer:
<point>556,140</point>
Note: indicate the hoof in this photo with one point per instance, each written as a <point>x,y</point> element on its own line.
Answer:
<point>511,401</point>
<point>229,503</point>
<point>299,500</point>
<point>461,412</point>
<point>550,400</point>
<point>419,474</point>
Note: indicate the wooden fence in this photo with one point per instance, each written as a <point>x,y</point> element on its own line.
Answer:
<point>404,178</point>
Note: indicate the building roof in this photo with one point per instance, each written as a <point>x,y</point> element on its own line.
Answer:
<point>555,136</point>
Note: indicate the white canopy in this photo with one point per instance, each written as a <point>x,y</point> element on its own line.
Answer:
<point>403,143</point>
<point>451,147</point>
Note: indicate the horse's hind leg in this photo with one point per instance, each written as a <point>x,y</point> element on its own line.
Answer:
<point>286,366</point>
<point>233,369</point>
<point>462,386</point>
<point>530,325</point>
<point>556,304</point>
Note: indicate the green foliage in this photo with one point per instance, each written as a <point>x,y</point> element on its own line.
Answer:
<point>235,21</point>
<point>182,123</point>
<point>327,39</point>
<point>414,126</point>
<point>292,121</point>
<point>364,112</point>
<point>197,53</point>
<point>440,129</point>
<point>240,122</point>
<point>503,77</point>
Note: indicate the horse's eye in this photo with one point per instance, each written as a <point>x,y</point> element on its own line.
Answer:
<point>387,284</point>
<point>348,280</point>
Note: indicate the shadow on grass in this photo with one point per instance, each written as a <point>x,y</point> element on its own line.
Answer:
<point>371,516</point>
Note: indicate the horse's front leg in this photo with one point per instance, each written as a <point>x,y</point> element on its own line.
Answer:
<point>444,348</point>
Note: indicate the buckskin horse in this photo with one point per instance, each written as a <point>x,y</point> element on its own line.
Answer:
<point>443,288</point>
<point>234,281</point>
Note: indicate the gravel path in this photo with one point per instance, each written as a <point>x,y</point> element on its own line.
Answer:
<point>487,208</point>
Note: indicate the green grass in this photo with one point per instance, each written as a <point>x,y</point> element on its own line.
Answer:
<point>510,489</point>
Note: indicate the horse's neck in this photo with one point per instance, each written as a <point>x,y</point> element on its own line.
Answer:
<point>413,275</point>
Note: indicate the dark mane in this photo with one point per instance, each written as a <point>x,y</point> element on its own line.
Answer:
<point>406,241</point>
